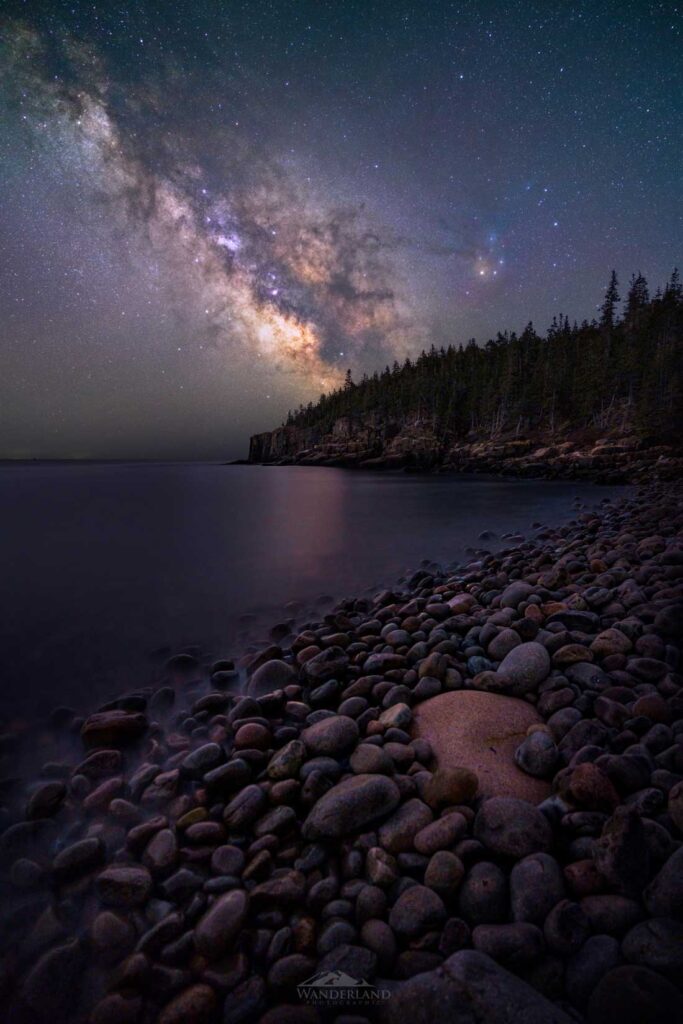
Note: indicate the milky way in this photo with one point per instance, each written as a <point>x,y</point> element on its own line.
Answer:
<point>213,212</point>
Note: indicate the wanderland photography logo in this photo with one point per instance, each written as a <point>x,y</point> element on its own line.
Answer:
<point>340,989</point>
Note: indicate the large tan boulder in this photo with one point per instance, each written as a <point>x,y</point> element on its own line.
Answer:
<point>481,731</point>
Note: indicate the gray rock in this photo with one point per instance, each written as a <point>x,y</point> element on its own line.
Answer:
<point>51,985</point>
<point>218,928</point>
<point>368,759</point>
<point>515,593</point>
<point>273,675</point>
<point>46,800</point>
<point>524,668</point>
<point>513,945</point>
<point>350,806</point>
<point>398,832</point>
<point>249,803</point>
<point>656,943</point>
<point>537,755</point>
<point>287,761</point>
<point>124,886</point>
<point>194,1005</point>
<point>329,664</point>
<point>621,854</point>
<point>416,911</point>
<point>566,928</point>
<point>203,759</point>
<point>503,643</point>
<point>634,995</point>
<point>598,955</point>
<point>512,828</point>
<point>536,885</point>
<point>331,737</point>
<point>444,873</point>
<point>470,988</point>
<point>483,897</point>
<point>78,858</point>
<point>664,895</point>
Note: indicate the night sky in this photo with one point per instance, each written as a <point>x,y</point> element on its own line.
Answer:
<point>211,209</point>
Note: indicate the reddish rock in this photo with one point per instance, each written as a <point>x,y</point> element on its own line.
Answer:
<point>480,732</point>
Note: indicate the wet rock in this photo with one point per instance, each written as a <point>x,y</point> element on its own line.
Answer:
<point>51,983</point>
<point>566,928</point>
<point>116,1008</point>
<point>591,788</point>
<point>46,800</point>
<point>483,897</point>
<point>286,889</point>
<point>536,885</point>
<point>503,643</point>
<point>440,834</point>
<point>451,786</point>
<point>218,928</point>
<point>203,759</point>
<point>598,955</point>
<point>367,759</point>
<point>350,806</point>
<point>480,732</point>
<point>78,858</point>
<point>249,804</point>
<point>398,832</point>
<point>512,828</point>
<point>329,664</point>
<point>524,667</point>
<point>621,853</point>
<point>416,911</point>
<point>675,805</point>
<point>397,717</point>
<point>611,914</point>
<point>331,737</point>
<point>656,943</point>
<point>161,852</point>
<point>245,1003</point>
<point>115,728</point>
<point>632,995</point>
<point>470,988</point>
<point>124,886</point>
<point>195,1005</point>
<point>444,873</point>
<point>513,945</point>
<point>273,675</point>
<point>515,593</point>
<point>287,761</point>
<point>664,895</point>
<point>537,755</point>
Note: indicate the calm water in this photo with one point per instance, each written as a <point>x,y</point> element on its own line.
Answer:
<point>108,568</point>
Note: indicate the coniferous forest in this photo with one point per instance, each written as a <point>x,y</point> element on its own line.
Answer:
<point>624,369</point>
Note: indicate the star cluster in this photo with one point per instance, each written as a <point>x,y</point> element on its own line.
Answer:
<point>213,209</point>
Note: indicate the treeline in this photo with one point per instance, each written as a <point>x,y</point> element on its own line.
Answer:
<point>625,367</point>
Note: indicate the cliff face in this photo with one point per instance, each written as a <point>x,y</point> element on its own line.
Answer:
<point>370,442</point>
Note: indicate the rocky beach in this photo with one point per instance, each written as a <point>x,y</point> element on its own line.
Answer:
<point>414,444</point>
<point>461,799</point>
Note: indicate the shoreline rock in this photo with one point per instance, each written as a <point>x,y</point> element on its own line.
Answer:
<point>610,457</point>
<point>205,852</point>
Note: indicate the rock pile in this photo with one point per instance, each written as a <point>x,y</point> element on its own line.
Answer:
<point>212,850</point>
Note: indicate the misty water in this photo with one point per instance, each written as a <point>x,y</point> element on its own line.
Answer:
<point>107,569</point>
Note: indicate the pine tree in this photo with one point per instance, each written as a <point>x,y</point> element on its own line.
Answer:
<point>609,305</point>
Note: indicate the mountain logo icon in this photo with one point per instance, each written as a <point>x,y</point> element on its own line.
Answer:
<point>334,979</point>
<point>336,987</point>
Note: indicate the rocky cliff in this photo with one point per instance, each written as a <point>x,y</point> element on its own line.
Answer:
<point>412,444</point>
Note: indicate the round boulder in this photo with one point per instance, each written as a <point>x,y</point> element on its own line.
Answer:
<point>512,828</point>
<point>469,729</point>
